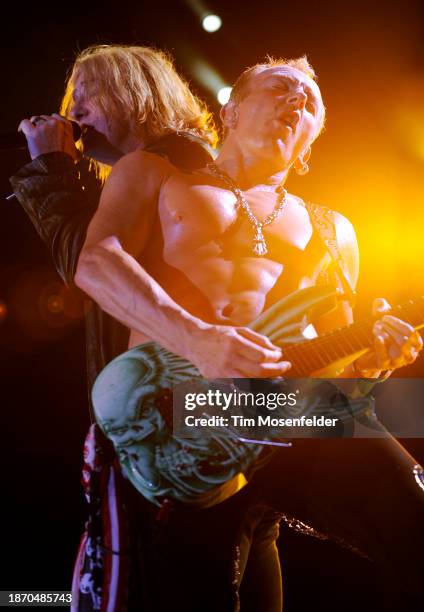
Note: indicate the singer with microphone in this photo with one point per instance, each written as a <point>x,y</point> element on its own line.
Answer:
<point>117,99</point>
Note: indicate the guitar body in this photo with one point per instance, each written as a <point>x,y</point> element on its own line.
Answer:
<point>132,400</point>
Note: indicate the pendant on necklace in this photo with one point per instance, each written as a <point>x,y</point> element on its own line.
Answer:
<point>260,244</point>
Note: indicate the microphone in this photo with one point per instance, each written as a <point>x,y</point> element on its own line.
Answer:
<point>17,140</point>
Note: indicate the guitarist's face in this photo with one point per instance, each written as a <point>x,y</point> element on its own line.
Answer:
<point>280,115</point>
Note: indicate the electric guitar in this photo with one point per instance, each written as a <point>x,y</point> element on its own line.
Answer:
<point>336,348</point>
<point>132,399</point>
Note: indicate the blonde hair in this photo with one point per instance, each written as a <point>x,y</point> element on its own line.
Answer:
<point>139,87</point>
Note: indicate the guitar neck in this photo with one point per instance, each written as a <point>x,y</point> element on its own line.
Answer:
<point>313,355</point>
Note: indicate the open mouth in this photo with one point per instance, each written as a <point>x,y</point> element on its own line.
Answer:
<point>290,121</point>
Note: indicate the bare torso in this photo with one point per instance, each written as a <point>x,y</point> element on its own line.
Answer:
<point>201,250</point>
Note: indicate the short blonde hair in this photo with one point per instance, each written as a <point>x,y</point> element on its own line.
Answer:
<point>140,88</point>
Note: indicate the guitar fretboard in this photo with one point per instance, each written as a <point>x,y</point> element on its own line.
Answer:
<point>318,353</point>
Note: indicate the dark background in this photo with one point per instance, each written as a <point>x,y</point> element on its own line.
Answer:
<point>367,164</point>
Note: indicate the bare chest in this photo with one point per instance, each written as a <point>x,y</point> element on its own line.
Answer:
<point>200,215</point>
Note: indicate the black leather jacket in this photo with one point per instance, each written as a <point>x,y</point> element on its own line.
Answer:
<point>61,197</point>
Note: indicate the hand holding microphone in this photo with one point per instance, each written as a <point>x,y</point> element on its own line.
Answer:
<point>43,134</point>
<point>50,133</point>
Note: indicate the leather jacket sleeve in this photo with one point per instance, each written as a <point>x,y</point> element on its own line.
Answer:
<point>61,198</point>
<point>51,192</point>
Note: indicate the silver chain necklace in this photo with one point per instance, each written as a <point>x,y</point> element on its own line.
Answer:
<point>259,247</point>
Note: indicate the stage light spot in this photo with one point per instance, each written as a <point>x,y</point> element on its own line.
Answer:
<point>224,94</point>
<point>211,23</point>
<point>3,311</point>
<point>38,303</point>
<point>54,303</point>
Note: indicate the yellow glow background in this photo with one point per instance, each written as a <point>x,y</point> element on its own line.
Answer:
<point>368,164</point>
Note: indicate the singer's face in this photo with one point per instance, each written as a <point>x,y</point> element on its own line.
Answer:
<point>102,137</point>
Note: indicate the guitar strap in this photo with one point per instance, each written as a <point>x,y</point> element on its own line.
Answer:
<point>324,223</point>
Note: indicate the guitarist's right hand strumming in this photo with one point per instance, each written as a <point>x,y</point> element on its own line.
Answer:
<point>222,351</point>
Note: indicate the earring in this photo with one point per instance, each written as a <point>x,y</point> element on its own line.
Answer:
<point>304,169</point>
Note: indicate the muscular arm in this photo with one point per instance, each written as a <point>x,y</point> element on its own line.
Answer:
<point>109,272</point>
